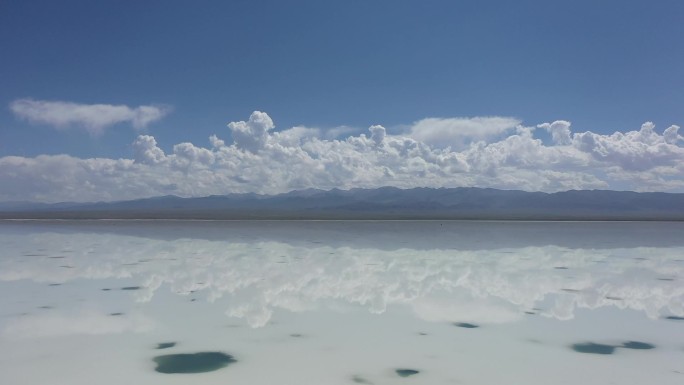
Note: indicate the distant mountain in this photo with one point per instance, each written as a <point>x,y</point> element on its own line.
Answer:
<point>380,203</point>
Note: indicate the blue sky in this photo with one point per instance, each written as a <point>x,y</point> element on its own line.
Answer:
<point>603,66</point>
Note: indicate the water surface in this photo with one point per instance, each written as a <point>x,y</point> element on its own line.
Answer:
<point>341,302</point>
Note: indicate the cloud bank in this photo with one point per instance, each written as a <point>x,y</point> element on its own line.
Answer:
<point>93,118</point>
<point>492,152</point>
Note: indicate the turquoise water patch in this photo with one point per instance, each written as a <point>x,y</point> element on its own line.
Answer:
<point>466,325</point>
<point>637,345</point>
<point>593,348</point>
<point>201,362</point>
<point>406,372</point>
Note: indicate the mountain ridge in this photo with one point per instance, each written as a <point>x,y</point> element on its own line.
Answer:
<point>379,203</point>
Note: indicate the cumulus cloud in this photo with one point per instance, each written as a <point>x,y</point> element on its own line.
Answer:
<point>377,134</point>
<point>559,130</point>
<point>252,134</point>
<point>258,158</point>
<point>641,150</point>
<point>94,118</point>
<point>671,135</point>
<point>458,132</point>
<point>145,150</point>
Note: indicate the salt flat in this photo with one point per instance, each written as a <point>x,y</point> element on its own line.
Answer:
<point>344,302</point>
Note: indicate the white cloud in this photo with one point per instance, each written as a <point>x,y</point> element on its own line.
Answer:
<point>266,161</point>
<point>252,134</point>
<point>671,135</point>
<point>340,132</point>
<point>458,132</point>
<point>636,151</point>
<point>94,118</point>
<point>378,134</point>
<point>559,130</point>
<point>145,150</point>
<point>192,154</point>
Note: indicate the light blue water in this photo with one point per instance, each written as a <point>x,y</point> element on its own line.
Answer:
<point>341,302</point>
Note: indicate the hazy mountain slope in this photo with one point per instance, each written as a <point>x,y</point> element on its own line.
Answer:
<point>386,202</point>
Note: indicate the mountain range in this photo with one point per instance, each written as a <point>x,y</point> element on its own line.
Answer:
<point>380,203</point>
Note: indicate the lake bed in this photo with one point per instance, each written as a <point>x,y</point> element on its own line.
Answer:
<point>341,302</point>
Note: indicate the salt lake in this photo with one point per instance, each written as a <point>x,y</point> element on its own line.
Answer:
<point>341,302</point>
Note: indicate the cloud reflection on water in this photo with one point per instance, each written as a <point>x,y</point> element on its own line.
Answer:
<point>253,278</point>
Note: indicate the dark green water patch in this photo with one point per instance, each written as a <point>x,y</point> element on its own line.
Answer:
<point>665,279</point>
<point>131,288</point>
<point>466,325</point>
<point>593,348</point>
<point>67,267</point>
<point>560,268</point>
<point>46,307</point>
<point>116,314</point>
<point>165,345</point>
<point>422,334</point>
<point>201,362</point>
<point>613,298</point>
<point>674,318</point>
<point>296,335</point>
<point>54,284</point>
<point>406,372</point>
<point>106,289</point>
<point>637,345</point>
<point>571,290</point>
<point>530,313</point>
<point>57,257</point>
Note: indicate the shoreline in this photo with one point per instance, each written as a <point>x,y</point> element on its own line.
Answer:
<point>327,216</point>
